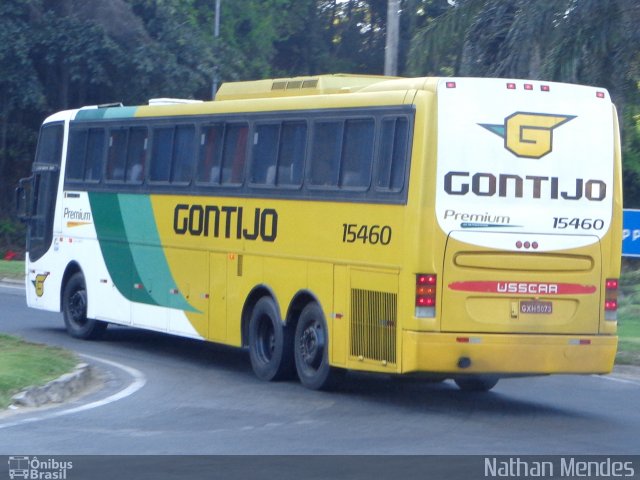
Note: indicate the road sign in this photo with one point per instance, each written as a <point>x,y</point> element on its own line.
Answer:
<point>631,233</point>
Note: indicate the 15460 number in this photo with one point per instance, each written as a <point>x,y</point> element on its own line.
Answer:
<point>372,234</point>
<point>562,223</point>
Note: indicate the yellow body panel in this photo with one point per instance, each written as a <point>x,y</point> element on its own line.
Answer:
<point>508,354</point>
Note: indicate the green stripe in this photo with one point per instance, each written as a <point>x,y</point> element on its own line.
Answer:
<point>132,251</point>
<point>100,113</point>
<point>148,255</point>
<point>114,245</point>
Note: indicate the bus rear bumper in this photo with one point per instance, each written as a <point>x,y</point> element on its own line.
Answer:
<point>507,353</point>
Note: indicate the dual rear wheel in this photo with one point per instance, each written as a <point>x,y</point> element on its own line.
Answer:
<point>277,351</point>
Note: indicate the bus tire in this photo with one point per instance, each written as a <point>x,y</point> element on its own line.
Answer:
<point>476,383</point>
<point>311,350</point>
<point>270,342</point>
<point>74,310</point>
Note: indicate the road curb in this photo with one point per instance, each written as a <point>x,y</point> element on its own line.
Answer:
<point>56,391</point>
<point>630,371</point>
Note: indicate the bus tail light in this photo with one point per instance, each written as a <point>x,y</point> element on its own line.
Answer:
<point>426,295</point>
<point>611,299</point>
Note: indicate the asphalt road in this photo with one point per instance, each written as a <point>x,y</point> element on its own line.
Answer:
<point>166,395</point>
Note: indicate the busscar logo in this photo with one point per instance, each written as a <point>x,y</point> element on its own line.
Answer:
<point>528,135</point>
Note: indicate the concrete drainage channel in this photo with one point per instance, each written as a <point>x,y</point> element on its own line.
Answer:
<point>56,391</point>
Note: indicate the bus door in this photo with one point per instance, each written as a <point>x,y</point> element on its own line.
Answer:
<point>36,195</point>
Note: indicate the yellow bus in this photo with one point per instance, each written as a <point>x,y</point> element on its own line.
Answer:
<point>460,228</point>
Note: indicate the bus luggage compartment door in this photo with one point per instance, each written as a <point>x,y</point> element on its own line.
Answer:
<point>500,291</point>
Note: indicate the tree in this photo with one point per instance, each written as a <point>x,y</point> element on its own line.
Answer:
<point>20,91</point>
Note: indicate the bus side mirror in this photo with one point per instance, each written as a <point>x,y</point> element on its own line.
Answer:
<point>23,191</point>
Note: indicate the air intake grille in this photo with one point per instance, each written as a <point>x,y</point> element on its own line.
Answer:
<point>373,325</point>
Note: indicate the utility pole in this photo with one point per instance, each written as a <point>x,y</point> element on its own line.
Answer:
<point>393,34</point>
<point>216,34</point>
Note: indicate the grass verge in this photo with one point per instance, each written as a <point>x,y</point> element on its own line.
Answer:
<point>23,364</point>
<point>13,269</point>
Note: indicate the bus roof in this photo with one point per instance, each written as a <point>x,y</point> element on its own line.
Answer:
<point>295,86</point>
<point>306,92</point>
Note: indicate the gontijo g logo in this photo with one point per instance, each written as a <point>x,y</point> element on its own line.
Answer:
<point>528,135</point>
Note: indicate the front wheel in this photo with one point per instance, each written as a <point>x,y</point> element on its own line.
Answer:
<point>74,310</point>
<point>311,350</point>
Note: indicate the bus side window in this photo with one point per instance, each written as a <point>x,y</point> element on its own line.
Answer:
<point>183,154</point>
<point>234,154</point>
<point>95,152</point>
<point>391,166</point>
<point>76,154</point>
<point>357,153</point>
<point>265,154</point>
<point>293,143</point>
<point>161,152</point>
<point>210,156</point>
<point>278,154</point>
<point>117,157</point>
<point>136,153</point>
<point>325,157</point>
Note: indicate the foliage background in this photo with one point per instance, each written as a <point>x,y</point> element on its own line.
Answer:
<point>59,54</point>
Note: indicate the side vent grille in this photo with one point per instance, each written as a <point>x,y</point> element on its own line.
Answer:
<point>373,325</point>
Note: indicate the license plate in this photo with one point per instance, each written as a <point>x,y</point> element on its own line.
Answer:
<point>536,308</point>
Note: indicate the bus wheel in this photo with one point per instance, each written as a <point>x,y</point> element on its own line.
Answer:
<point>311,350</point>
<point>74,309</point>
<point>270,342</point>
<point>476,383</point>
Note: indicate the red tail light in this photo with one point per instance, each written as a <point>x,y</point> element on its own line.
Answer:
<point>426,295</point>
<point>611,299</point>
<point>612,284</point>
